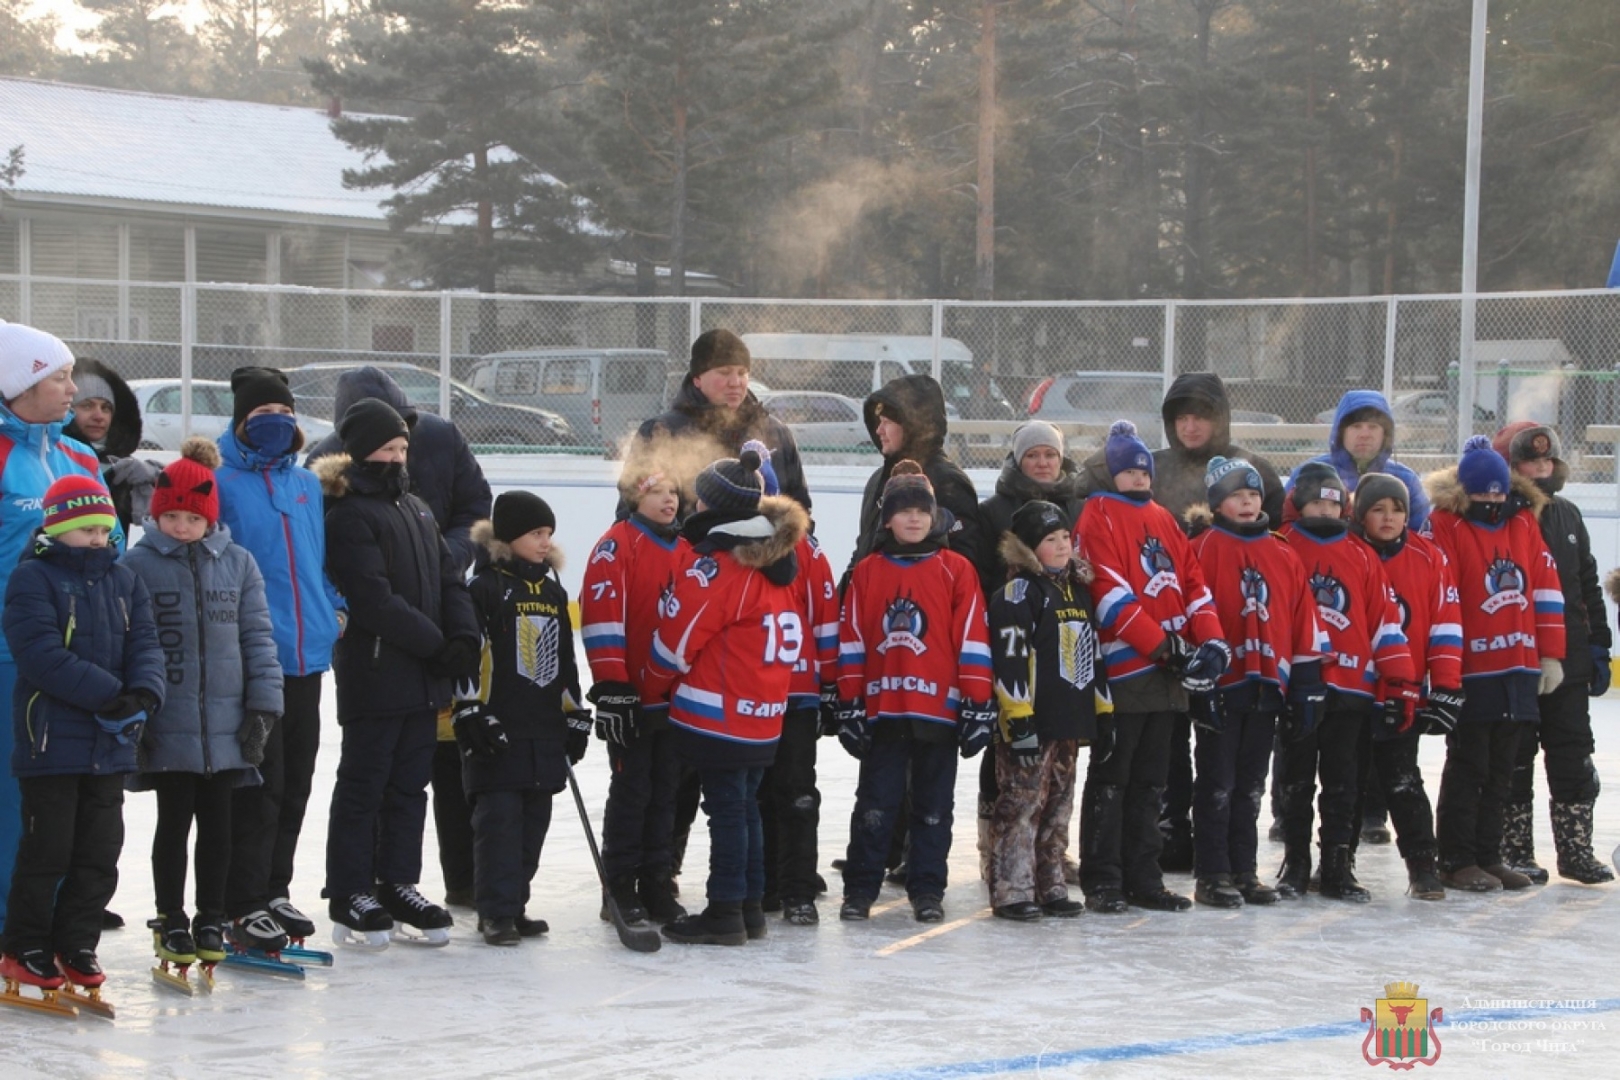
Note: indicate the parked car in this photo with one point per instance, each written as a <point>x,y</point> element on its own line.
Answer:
<point>480,420</point>
<point>820,420</point>
<point>602,393</point>
<point>1101,397</point>
<point>212,407</point>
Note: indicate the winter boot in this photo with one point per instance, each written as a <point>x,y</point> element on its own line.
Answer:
<point>1572,836</point>
<point>623,891</point>
<point>499,931</point>
<point>1510,878</point>
<point>208,931</point>
<point>1422,881</point>
<point>1160,899</point>
<point>1518,841</point>
<point>1218,890</point>
<point>1294,879</point>
<point>527,927</point>
<point>1107,901</point>
<point>800,912</point>
<point>1018,911</point>
<point>1254,890</point>
<point>855,909</point>
<point>753,913</point>
<point>1176,857</point>
<point>657,896</point>
<point>1339,875</point>
<point>1062,907</point>
<point>928,909</point>
<point>1470,879</point>
<point>717,924</point>
<point>1374,830</point>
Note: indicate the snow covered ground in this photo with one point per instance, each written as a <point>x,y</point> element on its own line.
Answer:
<point>1523,979</point>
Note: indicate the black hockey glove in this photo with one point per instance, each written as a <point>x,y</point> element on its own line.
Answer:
<point>1441,715</point>
<point>1400,705</point>
<point>1206,667</point>
<point>1102,744</point>
<point>254,733</point>
<point>853,730</point>
<point>1176,654</point>
<point>829,709</point>
<point>1601,672</point>
<point>478,732</point>
<point>456,659</point>
<point>975,724</point>
<point>579,732</point>
<point>1018,732</point>
<point>1307,701</point>
<point>1205,712</point>
<point>618,712</point>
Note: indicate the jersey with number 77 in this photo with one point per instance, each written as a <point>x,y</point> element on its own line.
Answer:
<point>727,642</point>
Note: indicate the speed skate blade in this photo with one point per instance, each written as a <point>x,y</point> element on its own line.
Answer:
<point>174,980</point>
<point>48,1002</point>
<point>252,960</point>
<point>298,954</point>
<point>86,999</point>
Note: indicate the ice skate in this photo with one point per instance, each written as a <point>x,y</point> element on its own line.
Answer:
<point>84,979</point>
<point>361,921</point>
<point>176,952</point>
<point>33,968</point>
<point>430,924</point>
<point>257,944</point>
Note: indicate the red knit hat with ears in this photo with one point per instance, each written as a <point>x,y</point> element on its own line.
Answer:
<point>188,483</point>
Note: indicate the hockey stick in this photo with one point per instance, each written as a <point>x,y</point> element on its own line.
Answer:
<point>643,940</point>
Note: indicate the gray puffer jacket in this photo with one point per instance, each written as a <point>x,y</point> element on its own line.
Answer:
<point>219,658</point>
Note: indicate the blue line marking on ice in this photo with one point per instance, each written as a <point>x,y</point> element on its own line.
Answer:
<point>1199,1044</point>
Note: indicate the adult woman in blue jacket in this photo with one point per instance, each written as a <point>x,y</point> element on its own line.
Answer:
<point>36,398</point>
<point>274,508</point>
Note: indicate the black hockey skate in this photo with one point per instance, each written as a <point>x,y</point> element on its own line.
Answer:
<point>410,908</point>
<point>361,921</point>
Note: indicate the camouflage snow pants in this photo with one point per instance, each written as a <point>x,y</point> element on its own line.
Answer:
<point>1029,829</point>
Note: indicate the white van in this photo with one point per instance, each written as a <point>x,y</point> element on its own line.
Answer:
<point>604,393</point>
<point>857,364</point>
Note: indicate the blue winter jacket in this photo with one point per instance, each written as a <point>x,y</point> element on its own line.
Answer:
<point>32,458</point>
<point>1340,458</point>
<point>219,657</point>
<point>275,509</point>
<point>80,626</point>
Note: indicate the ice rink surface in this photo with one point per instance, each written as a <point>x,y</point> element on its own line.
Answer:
<point>1528,982</point>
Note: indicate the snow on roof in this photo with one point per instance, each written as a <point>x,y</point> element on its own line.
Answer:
<point>130,148</point>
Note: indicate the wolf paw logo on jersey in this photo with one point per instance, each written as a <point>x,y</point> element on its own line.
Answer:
<point>606,551</point>
<point>1504,581</point>
<point>704,570</point>
<point>903,626</point>
<point>1255,592</point>
<point>1331,599</point>
<point>1161,569</point>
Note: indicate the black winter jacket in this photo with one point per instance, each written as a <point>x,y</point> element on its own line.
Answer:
<point>528,677</point>
<point>1013,490</point>
<point>129,479</point>
<point>444,472</point>
<point>917,404</point>
<point>404,589</point>
<point>1586,621</point>
<point>693,433</point>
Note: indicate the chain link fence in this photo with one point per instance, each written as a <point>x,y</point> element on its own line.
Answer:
<point>575,374</point>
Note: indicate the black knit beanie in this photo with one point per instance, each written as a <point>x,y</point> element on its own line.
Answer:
<point>368,424</point>
<point>255,386</point>
<point>1036,520</point>
<point>518,513</point>
<point>907,488</point>
<point>732,484</point>
<point>717,348</point>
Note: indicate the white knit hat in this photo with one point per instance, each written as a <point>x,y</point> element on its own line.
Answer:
<point>27,356</point>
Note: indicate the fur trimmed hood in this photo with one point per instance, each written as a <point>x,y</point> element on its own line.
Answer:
<point>1446,492</point>
<point>789,523</point>
<point>483,534</point>
<point>332,472</point>
<point>1020,559</point>
<point>1197,518</point>
<point>1611,583</point>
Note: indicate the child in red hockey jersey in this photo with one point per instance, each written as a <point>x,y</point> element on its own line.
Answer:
<point>727,640</point>
<point>1357,611</point>
<point>1269,617</point>
<point>1161,638</point>
<point>914,684</point>
<point>1426,594</point>
<point>631,569</point>
<point>1513,630</point>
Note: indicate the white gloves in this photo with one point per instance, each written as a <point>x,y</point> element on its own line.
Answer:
<point>1552,676</point>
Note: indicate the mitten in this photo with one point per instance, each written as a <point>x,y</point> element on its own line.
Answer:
<point>1601,672</point>
<point>254,733</point>
<point>1552,676</point>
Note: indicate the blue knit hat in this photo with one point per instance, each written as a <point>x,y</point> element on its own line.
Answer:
<point>1124,450</point>
<point>1225,476</point>
<point>1482,470</point>
<point>732,484</point>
